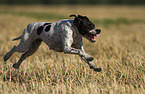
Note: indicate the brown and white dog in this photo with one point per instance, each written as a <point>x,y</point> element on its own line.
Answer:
<point>62,36</point>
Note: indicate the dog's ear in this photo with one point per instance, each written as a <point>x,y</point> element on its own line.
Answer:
<point>79,16</point>
<point>73,15</point>
<point>77,20</point>
<point>82,17</point>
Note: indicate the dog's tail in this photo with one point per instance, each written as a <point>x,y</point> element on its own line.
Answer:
<point>17,38</point>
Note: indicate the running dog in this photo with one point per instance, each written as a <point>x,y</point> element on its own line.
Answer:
<point>62,36</point>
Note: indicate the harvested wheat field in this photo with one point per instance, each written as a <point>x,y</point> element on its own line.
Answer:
<point>119,51</point>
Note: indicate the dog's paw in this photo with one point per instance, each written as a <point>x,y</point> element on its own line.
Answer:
<point>5,58</point>
<point>97,69</point>
<point>89,58</point>
<point>16,66</point>
<point>93,66</point>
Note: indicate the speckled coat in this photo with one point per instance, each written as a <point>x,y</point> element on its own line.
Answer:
<point>61,36</point>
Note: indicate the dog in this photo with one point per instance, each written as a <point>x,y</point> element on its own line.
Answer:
<point>62,36</point>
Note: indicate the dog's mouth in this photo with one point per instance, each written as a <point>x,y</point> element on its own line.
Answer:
<point>91,37</point>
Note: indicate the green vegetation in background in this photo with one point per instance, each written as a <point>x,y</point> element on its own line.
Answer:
<point>59,17</point>
<point>121,2</point>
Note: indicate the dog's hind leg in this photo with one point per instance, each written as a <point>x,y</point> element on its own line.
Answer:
<point>8,54</point>
<point>33,48</point>
<point>22,47</point>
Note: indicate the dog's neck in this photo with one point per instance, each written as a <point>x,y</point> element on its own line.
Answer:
<point>76,32</point>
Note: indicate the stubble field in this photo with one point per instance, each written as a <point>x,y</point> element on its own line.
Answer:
<point>119,51</point>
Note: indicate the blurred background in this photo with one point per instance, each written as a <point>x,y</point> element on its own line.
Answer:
<point>121,2</point>
<point>119,51</point>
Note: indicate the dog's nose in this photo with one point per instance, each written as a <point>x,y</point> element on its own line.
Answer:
<point>98,31</point>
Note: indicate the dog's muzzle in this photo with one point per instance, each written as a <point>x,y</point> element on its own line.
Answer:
<point>93,33</point>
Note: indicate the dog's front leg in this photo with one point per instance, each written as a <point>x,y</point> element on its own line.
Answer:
<point>89,62</point>
<point>83,55</point>
<point>87,58</point>
<point>67,49</point>
<point>70,50</point>
<point>67,40</point>
<point>92,65</point>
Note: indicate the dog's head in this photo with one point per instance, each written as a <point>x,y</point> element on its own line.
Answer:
<point>86,27</point>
